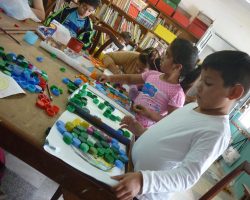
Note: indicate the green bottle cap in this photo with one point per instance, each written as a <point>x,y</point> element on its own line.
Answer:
<point>101,106</point>
<point>95,100</point>
<point>112,117</point>
<point>106,114</point>
<point>93,151</point>
<point>98,145</point>
<point>118,118</point>
<point>126,134</point>
<point>84,147</point>
<point>82,139</point>
<point>84,86</point>
<point>104,144</point>
<point>81,128</point>
<point>67,139</point>
<point>74,134</point>
<point>90,143</point>
<point>100,151</point>
<point>85,135</point>
<point>76,130</point>
<point>89,94</point>
<point>109,159</point>
<point>62,69</point>
<point>70,108</point>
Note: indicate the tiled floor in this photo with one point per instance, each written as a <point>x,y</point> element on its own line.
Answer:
<point>45,187</point>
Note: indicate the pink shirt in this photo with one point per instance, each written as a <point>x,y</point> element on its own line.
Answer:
<point>157,95</point>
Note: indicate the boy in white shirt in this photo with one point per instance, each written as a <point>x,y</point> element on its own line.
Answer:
<point>172,154</point>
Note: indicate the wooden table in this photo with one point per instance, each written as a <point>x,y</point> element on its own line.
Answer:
<point>23,125</point>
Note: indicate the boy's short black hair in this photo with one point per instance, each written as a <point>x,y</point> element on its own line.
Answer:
<point>234,67</point>
<point>94,3</point>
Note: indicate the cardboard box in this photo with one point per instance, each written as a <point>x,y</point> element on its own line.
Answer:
<point>165,8</point>
<point>198,28</point>
<point>164,33</point>
<point>153,2</point>
<point>181,19</point>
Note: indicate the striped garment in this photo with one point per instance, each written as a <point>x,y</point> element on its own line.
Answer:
<point>82,28</point>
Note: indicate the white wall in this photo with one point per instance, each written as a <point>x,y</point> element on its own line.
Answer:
<point>231,19</point>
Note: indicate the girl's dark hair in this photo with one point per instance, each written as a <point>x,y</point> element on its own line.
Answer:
<point>147,57</point>
<point>94,3</point>
<point>186,54</point>
<point>234,67</point>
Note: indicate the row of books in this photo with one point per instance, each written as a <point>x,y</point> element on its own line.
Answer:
<point>125,4</point>
<point>147,17</point>
<point>118,22</point>
<point>150,40</point>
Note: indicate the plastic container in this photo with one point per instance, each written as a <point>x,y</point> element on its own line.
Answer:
<point>30,37</point>
<point>75,45</point>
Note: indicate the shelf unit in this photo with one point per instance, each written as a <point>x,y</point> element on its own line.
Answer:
<point>108,17</point>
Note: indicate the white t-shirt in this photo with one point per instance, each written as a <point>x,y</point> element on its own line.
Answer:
<point>173,153</point>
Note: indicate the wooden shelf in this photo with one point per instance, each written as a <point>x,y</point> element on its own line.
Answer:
<point>144,30</point>
<point>174,22</point>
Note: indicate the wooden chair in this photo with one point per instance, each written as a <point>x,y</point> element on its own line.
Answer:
<point>112,39</point>
<point>243,167</point>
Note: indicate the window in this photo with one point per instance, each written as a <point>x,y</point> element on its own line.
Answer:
<point>245,119</point>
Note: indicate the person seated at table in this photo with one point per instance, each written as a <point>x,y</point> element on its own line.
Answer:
<point>124,38</point>
<point>38,8</point>
<point>162,92</point>
<point>131,62</point>
<point>77,20</point>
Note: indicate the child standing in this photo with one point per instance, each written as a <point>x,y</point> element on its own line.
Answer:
<point>77,20</point>
<point>163,91</point>
<point>185,143</point>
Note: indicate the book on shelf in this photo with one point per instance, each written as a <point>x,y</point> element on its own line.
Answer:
<point>117,22</point>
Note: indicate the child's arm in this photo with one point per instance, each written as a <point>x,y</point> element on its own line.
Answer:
<point>141,110</point>
<point>132,125</point>
<point>109,62</point>
<point>38,9</point>
<point>202,154</point>
<point>153,115</point>
<point>133,182</point>
<point>122,79</point>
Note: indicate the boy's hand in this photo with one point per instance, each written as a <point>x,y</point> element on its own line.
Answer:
<point>132,125</point>
<point>104,78</point>
<point>141,110</point>
<point>130,184</point>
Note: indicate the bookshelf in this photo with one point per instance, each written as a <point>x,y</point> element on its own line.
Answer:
<point>142,19</point>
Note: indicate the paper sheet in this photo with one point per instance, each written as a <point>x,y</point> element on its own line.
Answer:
<point>8,86</point>
<point>66,153</point>
<point>80,63</point>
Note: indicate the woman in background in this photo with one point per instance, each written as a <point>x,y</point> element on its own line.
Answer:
<point>38,8</point>
<point>131,62</point>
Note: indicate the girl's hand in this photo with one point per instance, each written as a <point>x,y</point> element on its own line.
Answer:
<point>130,184</point>
<point>141,110</point>
<point>104,78</point>
<point>132,125</point>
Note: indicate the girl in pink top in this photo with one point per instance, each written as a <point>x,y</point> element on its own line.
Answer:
<point>164,91</point>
